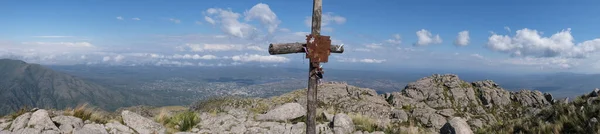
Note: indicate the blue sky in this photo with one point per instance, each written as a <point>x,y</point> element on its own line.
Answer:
<point>501,36</point>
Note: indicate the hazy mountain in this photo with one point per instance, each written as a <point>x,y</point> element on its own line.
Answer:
<point>33,85</point>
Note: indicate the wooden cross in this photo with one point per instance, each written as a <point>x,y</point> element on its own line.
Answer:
<point>317,49</point>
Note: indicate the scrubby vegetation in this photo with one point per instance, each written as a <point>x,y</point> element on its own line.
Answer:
<point>364,123</point>
<point>579,116</point>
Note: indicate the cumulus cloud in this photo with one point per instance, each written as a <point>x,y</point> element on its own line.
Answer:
<point>426,38</point>
<point>260,58</point>
<point>462,39</point>
<point>396,40</point>
<point>209,20</point>
<point>326,19</point>
<point>530,43</point>
<point>119,18</point>
<point>263,13</point>
<point>229,23</point>
<point>119,58</point>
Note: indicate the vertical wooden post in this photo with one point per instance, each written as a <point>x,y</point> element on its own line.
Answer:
<point>311,94</point>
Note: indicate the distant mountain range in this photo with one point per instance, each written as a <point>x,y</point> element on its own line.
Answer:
<point>32,85</point>
<point>111,87</point>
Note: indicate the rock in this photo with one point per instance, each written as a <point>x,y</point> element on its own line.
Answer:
<point>141,124</point>
<point>490,93</point>
<point>4,132</point>
<point>549,98</point>
<point>238,129</point>
<point>429,118</point>
<point>446,112</point>
<point>594,93</point>
<point>4,125</point>
<point>400,115</point>
<point>194,130</point>
<point>477,123</point>
<point>377,132</point>
<point>20,122</point>
<point>87,122</point>
<point>327,116</point>
<point>284,112</point>
<point>530,98</point>
<point>324,128</point>
<point>67,123</point>
<point>456,125</point>
<point>342,124</point>
<point>92,129</point>
<point>118,128</point>
<point>184,133</point>
<point>28,131</point>
<point>40,120</point>
<point>51,132</point>
<point>298,128</point>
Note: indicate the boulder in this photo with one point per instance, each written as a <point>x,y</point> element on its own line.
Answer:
<point>529,98</point>
<point>400,115</point>
<point>284,112</point>
<point>40,120</point>
<point>28,131</point>
<point>549,98</point>
<point>93,129</point>
<point>141,124</point>
<point>342,124</point>
<point>594,93</point>
<point>118,128</point>
<point>67,123</point>
<point>456,125</point>
<point>20,122</point>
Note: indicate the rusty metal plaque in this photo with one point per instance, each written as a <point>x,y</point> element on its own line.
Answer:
<point>319,48</point>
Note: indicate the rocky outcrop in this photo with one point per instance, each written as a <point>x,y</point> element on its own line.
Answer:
<point>284,112</point>
<point>142,124</point>
<point>456,125</point>
<point>342,124</point>
<point>67,124</point>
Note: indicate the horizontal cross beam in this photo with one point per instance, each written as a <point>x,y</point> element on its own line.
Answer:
<point>287,48</point>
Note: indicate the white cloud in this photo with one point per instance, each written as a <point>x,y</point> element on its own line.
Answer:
<point>396,40</point>
<point>362,50</point>
<point>255,48</point>
<point>366,60</point>
<point>119,58</point>
<point>326,19</point>
<point>426,38</point>
<point>374,46</point>
<point>119,18</point>
<point>462,39</point>
<point>530,43</point>
<point>217,47</point>
<point>177,21</point>
<point>263,13</point>
<point>136,19</point>
<point>106,58</point>
<point>230,23</point>
<point>209,20</point>
<point>507,28</point>
<point>260,58</point>
<point>475,55</point>
<point>192,57</point>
